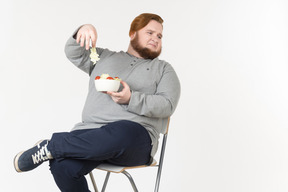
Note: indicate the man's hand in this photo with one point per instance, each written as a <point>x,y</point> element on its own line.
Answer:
<point>85,34</point>
<point>122,97</point>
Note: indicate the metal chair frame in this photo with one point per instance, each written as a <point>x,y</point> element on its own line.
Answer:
<point>117,169</point>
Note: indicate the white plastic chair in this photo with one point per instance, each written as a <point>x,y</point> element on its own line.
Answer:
<point>109,168</point>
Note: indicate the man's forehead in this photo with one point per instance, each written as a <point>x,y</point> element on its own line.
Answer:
<point>154,26</point>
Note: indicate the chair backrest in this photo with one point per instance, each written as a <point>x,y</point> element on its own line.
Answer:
<point>167,127</point>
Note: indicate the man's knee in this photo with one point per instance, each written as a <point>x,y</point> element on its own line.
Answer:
<point>67,175</point>
<point>67,168</point>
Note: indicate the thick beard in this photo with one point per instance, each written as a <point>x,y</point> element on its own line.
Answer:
<point>144,52</point>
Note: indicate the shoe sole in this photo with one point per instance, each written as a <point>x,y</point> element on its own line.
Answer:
<point>16,158</point>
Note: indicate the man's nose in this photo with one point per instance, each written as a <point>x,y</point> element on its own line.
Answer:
<point>155,39</point>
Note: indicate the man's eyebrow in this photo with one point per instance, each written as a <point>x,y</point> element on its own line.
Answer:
<point>150,30</point>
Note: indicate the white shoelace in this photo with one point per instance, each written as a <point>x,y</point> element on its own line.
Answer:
<point>41,155</point>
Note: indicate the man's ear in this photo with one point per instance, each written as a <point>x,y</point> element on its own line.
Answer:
<point>132,36</point>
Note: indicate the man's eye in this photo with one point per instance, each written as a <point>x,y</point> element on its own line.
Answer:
<point>150,33</point>
<point>159,37</point>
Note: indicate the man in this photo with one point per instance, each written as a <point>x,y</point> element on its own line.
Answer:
<point>121,127</point>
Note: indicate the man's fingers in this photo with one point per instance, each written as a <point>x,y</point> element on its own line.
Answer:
<point>113,94</point>
<point>93,43</point>
<point>86,34</point>
<point>93,40</point>
<point>125,85</point>
<point>82,41</point>
<point>122,97</point>
<point>78,37</point>
<point>87,42</point>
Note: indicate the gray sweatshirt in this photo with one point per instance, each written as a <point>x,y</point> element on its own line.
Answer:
<point>154,86</point>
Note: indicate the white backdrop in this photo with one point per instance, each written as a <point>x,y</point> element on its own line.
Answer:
<point>229,132</point>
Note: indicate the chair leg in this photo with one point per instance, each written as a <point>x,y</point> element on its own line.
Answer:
<point>160,164</point>
<point>106,181</point>
<point>158,179</point>
<point>131,180</point>
<point>93,181</point>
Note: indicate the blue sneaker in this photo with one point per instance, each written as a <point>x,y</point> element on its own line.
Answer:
<point>32,158</point>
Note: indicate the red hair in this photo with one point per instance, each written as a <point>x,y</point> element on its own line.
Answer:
<point>142,20</point>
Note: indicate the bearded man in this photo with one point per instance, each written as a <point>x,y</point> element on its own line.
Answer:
<point>122,127</point>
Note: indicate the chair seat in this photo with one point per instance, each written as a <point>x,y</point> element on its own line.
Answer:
<point>120,169</point>
<point>109,168</point>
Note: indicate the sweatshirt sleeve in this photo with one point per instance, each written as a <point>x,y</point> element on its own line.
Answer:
<point>163,103</point>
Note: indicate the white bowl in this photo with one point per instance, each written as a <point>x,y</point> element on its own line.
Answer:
<point>107,85</point>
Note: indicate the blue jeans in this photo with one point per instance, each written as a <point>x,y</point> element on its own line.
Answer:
<point>78,152</point>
